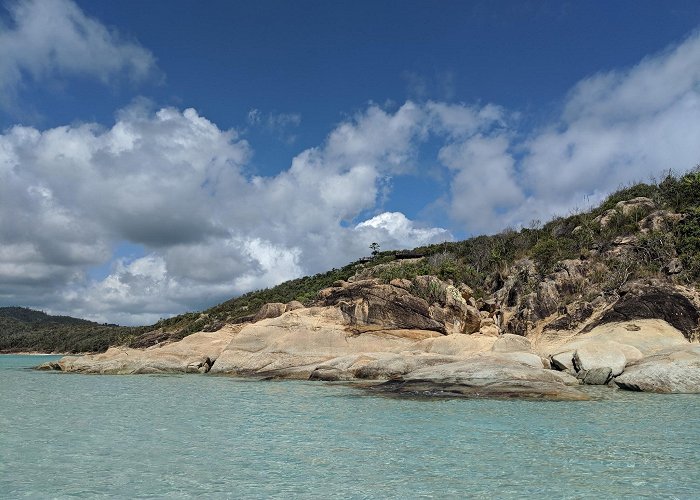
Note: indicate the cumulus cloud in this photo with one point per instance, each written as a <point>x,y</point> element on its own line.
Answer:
<point>54,38</point>
<point>393,230</point>
<point>616,127</point>
<point>174,183</point>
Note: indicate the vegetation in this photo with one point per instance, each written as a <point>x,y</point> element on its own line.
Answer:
<point>24,329</point>
<point>482,263</point>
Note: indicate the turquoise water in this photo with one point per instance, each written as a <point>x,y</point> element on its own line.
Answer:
<point>88,436</point>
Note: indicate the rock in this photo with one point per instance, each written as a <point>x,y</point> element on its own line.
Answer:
<point>194,353</point>
<point>487,321</point>
<point>579,313</point>
<point>295,344</point>
<point>511,343</point>
<point>647,336</point>
<point>270,310</point>
<point>343,368</point>
<point>490,331</point>
<point>594,355</point>
<point>456,345</point>
<point>622,241</point>
<point>606,218</point>
<point>525,358</point>
<point>566,378</point>
<point>370,303</point>
<point>293,306</point>
<point>466,291</point>
<point>547,299</point>
<point>401,364</point>
<point>674,266</point>
<point>472,319</point>
<point>654,301</point>
<point>669,371</point>
<point>638,204</point>
<point>659,221</point>
<point>401,283</point>
<point>563,361</point>
<point>482,377</point>
<point>596,376</point>
<point>614,347</point>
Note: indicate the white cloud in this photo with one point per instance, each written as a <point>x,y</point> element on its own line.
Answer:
<point>54,38</point>
<point>484,186</point>
<point>615,128</point>
<point>173,183</point>
<point>393,230</point>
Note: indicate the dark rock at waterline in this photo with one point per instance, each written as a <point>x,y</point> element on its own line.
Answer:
<point>484,377</point>
<point>596,376</point>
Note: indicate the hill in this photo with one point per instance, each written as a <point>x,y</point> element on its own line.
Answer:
<point>642,231</point>
<point>23,329</point>
<point>645,231</point>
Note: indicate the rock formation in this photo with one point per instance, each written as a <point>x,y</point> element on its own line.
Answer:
<point>427,337</point>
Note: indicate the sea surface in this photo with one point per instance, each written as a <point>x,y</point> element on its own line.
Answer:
<point>91,436</point>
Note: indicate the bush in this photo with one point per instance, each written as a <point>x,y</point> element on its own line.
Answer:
<point>687,239</point>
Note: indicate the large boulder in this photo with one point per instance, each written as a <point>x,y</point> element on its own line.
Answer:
<point>639,204</point>
<point>484,376</point>
<point>641,300</point>
<point>270,310</point>
<point>670,371</point>
<point>646,335</point>
<point>427,303</point>
<point>604,354</point>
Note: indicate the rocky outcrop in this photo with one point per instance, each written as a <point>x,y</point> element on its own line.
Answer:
<point>484,377</point>
<point>653,300</point>
<point>296,343</point>
<point>610,351</point>
<point>426,304</point>
<point>669,371</point>
<point>426,336</point>
<point>195,353</point>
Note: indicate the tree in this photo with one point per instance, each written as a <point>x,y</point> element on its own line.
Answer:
<point>375,249</point>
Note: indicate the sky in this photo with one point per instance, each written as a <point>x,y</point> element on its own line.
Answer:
<point>164,156</point>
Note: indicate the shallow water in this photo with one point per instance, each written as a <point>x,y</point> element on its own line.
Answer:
<point>87,436</point>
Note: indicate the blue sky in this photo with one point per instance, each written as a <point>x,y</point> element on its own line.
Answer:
<point>158,157</point>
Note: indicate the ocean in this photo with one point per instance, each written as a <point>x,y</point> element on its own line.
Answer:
<point>182,436</point>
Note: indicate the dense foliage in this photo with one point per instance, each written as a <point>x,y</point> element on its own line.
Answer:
<point>24,329</point>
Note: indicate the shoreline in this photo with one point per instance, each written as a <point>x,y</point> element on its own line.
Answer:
<point>35,353</point>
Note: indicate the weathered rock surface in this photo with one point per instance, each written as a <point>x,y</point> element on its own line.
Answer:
<point>605,351</point>
<point>194,354</point>
<point>675,370</point>
<point>270,310</point>
<point>481,377</point>
<point>425,336</point>
<point>594,355</point>
<point>653,301</point>
<point>511,343</point>
<point>296,343</point>
<point>428,304</point>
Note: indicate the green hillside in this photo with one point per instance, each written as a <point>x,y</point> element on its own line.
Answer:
<point>23,329</point>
